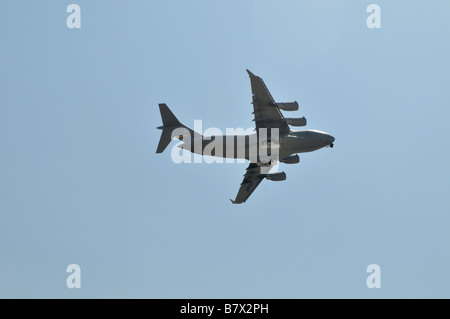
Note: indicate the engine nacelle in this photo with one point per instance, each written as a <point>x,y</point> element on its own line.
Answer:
<point>296,121</point>
<point>293,159</point>
<point>288,106</point>
<point>276,177</point>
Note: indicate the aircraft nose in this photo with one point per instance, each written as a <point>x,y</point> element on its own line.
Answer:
<point>331,137</point>
<point>326,139</point>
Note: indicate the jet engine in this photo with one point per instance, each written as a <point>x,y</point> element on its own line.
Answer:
<point>288,106</point>
<point>296,121</point>
<point>293,159</point>
<point>276,177</point>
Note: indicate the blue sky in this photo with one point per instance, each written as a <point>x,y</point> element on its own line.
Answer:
<point>80,181</point>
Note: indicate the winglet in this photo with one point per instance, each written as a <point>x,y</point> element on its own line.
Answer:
<point>234,202</point>
<point>249,73</point>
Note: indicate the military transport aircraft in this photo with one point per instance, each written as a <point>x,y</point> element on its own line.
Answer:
<point>272,129</point>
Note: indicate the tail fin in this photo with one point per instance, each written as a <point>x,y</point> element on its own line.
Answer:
<point>170,123</point>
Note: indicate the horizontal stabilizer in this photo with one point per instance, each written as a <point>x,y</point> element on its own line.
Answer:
<point>166,138</point>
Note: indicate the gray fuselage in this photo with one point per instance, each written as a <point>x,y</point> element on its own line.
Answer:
<point>250,148</point>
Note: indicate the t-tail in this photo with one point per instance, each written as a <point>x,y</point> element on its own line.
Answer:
<point>172,128</point>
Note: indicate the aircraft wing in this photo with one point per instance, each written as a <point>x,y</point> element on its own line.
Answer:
<point>266,112</point>
<point>253,176</point>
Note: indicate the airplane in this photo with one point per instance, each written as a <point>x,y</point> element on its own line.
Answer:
<point>272,129</point>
